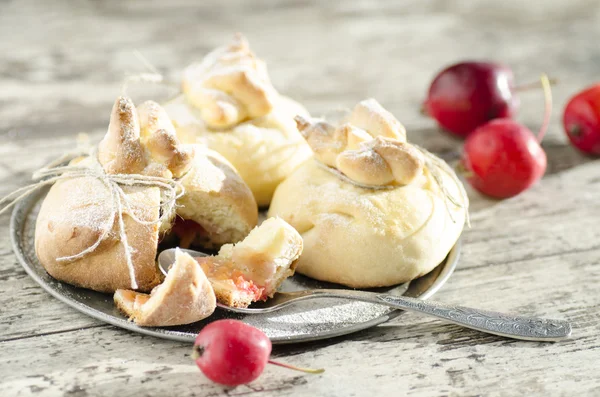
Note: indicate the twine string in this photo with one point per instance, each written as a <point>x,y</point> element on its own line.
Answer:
<point>153,76</point>
<point>434,165</point>
<point>120,203</point>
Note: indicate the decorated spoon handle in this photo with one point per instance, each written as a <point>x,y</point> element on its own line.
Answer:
<point>508,325</point>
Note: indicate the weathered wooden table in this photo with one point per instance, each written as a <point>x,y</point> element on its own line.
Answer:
<point>62,64</point>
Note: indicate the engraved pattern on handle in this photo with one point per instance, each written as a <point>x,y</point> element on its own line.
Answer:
<point>514,326</point>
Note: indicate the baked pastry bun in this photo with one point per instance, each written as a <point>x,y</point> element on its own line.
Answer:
<point>372,209</point>
<point>254,268</point>
<point>229,104</point>
<point>99,225</point>
<point>185,297</point>
<point>217,207</point>
<point>75,215</point>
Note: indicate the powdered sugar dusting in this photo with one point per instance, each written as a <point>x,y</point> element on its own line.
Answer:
<point>369,147</point>
<point>229,86</point>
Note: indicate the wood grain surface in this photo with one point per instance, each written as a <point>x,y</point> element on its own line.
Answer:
<point>62,63</point>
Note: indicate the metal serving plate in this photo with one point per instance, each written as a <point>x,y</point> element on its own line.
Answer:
<point>305,321</point>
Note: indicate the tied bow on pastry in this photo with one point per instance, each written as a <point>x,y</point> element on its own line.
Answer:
<point>139,149</point>
<point>369,149</point>
<point>229,86</point>
<point>143,142</point>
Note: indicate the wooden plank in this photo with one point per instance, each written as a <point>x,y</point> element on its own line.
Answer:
<point>427,352</point>
<point>411,355</point>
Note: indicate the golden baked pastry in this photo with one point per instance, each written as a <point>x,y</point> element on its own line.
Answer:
<point>185,297</point>
<point>254,268</point>
<point>229,104</point>
<point>217,207</point>
<point>99,225</point>
<point>76,214</point>
<point>372,209</point>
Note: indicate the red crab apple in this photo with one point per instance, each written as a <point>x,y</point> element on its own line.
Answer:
<point>468,94</point>
<point>233,353</point>
<point>503,158</point>
<point>581,120</point>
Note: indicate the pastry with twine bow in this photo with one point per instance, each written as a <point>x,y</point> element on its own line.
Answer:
<point>100,223</point>
<point>229,104</point>
<point>373,210</point>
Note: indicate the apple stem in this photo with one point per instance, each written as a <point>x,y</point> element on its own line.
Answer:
<point>575,130</point>
<point>197,352</point>
<point>462,170</point>
<point>423,109</point>
<point>547,106</point>
<point>535,84</point>
<point>306,370</point>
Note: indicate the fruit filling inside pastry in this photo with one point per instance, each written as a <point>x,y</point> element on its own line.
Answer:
<point>253,269</point>
<point>188,232</point>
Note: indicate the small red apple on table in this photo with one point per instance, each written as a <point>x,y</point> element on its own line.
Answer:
<point>581,120</point>
<point>476,100</point>
<point>503,157</point>
<point>232,353</point>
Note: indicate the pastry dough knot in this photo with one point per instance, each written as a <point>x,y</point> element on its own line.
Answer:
<point>229,86</point>
<point>382,161</point>
<point>369,146</point>
<point>143,141</point>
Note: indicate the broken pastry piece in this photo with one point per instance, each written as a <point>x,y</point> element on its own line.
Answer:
<point>253,269</point>
<point>372,209</point>
<point>229,104</point>
<point>185,297</point>
<point>86,222</point>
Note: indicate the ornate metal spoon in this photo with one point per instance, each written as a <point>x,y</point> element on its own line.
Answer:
<point>507,325</point>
